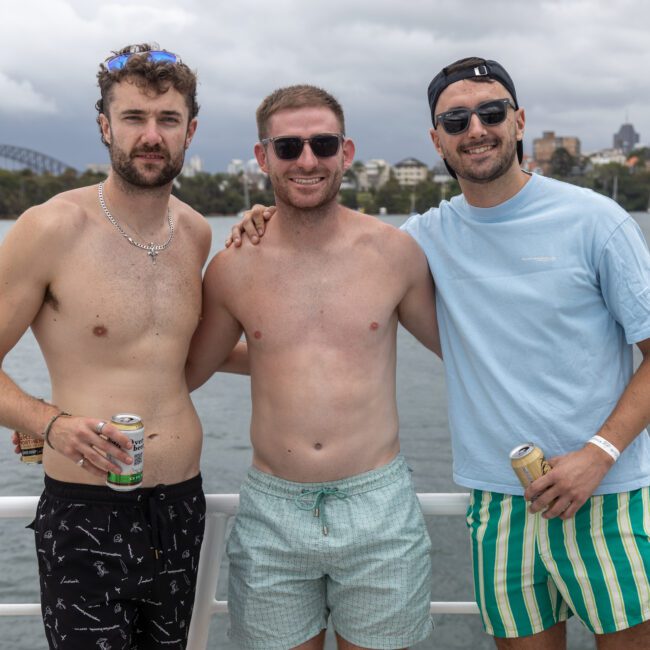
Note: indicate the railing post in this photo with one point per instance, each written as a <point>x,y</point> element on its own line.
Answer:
<point>212,551</point>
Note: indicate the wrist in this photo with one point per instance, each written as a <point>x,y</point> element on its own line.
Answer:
<point>48,426</point>
<point>610,449</point>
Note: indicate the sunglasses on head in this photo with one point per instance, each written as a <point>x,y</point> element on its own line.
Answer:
<point>289,147</point>
<point>490,113</point>
<point>118,61</point>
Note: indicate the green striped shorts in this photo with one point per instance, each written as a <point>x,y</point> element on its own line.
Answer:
<point>531,572</point>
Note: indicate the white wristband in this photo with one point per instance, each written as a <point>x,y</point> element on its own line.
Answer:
<point>606,446</point>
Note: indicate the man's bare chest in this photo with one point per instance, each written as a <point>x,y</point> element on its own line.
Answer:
<point>123,297</point>
<point>341,305</point>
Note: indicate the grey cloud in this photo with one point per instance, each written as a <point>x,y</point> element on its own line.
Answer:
<point>579,65</point>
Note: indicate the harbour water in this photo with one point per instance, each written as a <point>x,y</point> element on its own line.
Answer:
<point>224,407</point>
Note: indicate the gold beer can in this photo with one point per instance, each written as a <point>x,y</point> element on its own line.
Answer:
<point>528,462</point>
<point>31,448</point>
<point>131,477</point>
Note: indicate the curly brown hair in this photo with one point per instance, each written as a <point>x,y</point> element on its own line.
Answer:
<point>158,76</point>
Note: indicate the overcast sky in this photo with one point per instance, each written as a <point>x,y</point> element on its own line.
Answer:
<point>581,67</point>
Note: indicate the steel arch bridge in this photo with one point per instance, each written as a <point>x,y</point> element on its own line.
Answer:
<point>37,162</point>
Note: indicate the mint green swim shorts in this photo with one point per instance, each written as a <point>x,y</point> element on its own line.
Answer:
<point>530,572</point>
<point>356,549</point>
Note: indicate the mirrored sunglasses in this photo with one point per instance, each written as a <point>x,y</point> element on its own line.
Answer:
<point>490,113</point>
<point>289,147</point>
<point>157,56</point>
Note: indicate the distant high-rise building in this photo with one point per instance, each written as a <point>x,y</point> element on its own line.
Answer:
<point>626,138</point>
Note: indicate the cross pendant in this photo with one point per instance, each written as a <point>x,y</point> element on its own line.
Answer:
<point>152,253</point>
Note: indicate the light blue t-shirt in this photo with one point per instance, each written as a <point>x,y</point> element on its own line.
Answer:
<point>539,302</point>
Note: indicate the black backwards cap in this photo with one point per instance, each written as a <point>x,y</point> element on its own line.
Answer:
<point>487,69</point>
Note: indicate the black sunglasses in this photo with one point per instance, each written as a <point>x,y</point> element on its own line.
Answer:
<point>490,113</point>
<point>289,147</point>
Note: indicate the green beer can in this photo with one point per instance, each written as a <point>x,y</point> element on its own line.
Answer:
<point>131,477</point>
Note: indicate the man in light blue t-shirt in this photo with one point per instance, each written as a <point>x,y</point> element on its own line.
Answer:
<point>543,289</point>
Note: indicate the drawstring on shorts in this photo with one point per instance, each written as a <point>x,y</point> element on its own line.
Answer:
<point>315,500</point>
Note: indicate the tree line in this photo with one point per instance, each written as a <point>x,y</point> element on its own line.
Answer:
<point>627,184</point>
<point>225,194</point>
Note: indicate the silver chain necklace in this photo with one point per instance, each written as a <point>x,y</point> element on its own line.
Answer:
<point>151,248</point>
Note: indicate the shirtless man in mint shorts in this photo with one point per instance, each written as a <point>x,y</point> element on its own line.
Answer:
<point>543,289</point>
<point>329,522</point>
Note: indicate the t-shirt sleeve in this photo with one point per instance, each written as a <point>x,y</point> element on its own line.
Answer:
<point>624,271</point>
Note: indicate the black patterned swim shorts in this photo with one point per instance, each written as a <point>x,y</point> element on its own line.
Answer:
<point>118,569</point>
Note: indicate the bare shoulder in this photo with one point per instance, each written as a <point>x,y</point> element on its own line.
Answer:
<point>193,223</point>
<point>232,261</point>
<point>226,275</point>
<point>39,242</point>
<point>389,239</point>
<point>61,218</point>
<point>188,215</point>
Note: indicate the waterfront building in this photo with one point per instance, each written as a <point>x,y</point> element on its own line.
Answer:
<point>192,167</point>
<point>235,166</point>
<point>250,172</point>
<point>98,168</point>
<point>607,156</point>
<point>410,172</point>
<point>549,143</point>
<point>371,175</point>
<point>440,175</point>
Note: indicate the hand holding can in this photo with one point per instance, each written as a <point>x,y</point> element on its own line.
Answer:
<point>529,463</point>
<point>131,476</point>
<point>31,448</point>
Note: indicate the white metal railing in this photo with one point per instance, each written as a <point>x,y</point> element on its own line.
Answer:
<point>220,507</point>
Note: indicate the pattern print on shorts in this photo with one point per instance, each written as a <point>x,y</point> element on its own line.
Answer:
<point>118,569</point>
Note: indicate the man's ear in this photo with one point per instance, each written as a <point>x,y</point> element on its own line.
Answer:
<point>520,123</point>
<point>105,126</point>
<point>261,157</point>
<point>191,130</point>
<point>348,153</point>
<point>436,141</point>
